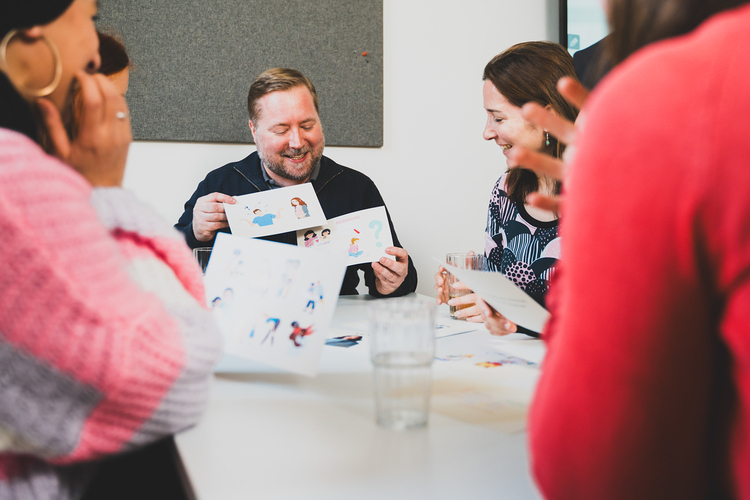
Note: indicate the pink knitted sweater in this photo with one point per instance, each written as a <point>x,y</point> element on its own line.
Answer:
<point>105,343</point>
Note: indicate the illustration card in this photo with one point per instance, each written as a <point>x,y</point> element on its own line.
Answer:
<point>502,294</point>
<point>275,211</point>
<point>273,302</point>
<point>362,235</point>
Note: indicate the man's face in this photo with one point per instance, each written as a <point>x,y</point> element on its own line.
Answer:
<point>288,134</point>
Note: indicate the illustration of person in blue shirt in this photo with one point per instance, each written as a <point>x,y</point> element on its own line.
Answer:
<point>262,219</point>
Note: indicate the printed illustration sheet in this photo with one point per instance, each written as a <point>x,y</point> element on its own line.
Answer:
<point>275,211</point>
<point>362,235</point>
<point>475,383</point>
<point>502,294</point>
<point>273,302</point>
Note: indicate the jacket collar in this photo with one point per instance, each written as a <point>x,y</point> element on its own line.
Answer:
<point>251,169</point>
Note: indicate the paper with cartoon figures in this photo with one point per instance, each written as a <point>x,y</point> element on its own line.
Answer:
<point>275,211</point>
<point>362,235</point>
<point>273,302</point>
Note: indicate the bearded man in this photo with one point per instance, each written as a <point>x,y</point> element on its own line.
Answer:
<point>284,120</point>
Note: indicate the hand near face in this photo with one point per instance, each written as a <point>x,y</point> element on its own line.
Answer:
<point>209,215</point>
<point>561,128</point>
<point>389,274</point>
<point>100,150</point>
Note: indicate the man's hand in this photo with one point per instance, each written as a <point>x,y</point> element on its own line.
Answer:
<point>389,274</point>
<point>209,215</point>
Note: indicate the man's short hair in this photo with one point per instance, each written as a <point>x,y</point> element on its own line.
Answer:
<point>273,80</point>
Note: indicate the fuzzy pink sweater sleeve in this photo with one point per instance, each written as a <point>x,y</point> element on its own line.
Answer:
<point>105,342</point>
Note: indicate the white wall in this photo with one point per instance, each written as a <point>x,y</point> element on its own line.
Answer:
<point>434,170</point>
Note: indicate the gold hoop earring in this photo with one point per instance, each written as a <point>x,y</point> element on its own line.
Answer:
<point>43,92</point>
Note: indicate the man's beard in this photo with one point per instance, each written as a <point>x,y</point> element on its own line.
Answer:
<point>278,167</point>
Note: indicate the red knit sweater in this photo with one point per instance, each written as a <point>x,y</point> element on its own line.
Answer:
<point>645,391</point>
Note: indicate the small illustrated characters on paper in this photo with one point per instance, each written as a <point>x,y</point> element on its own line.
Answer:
<point>223,307</point>
<point>268,298</point>
<point>237,264</point>
<point>300,208</point>
<point>315,294</point>
<point>287,278</point>
<point>311,239</point>
<point>299,333</point>
<point>325,237</point>
<point>275,211</point>
<point>363,236</point>
<point>273,325</point>
<point>354,250</point>
<point>262,219</point>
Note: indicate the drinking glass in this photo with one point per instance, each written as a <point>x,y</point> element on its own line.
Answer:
<point>202,255</point>
<point>461,261</point>
<point>402,348</point>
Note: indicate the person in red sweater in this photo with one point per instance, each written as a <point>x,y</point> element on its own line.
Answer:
<point>645,389</point>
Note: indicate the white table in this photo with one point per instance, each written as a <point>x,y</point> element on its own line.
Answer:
<point>274,435</point>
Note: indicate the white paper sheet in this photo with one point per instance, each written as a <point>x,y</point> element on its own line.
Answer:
<point>502,294</point>
<point>273,302</point>
<point>275,211</point>
<point>363,235</point>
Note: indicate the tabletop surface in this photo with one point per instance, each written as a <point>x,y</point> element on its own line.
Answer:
<point>272,435</point>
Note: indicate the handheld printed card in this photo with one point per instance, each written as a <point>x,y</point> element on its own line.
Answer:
<point>275,211</point>
<point>362,235</point>
<point>273,302</point>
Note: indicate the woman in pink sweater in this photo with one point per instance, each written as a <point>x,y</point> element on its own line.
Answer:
<point>105,342</point>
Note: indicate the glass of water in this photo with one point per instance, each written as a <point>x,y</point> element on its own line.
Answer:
<point>202,255</point>
<point>402,348</point>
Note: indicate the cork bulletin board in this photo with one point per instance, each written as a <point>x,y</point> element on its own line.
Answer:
<point>193,63</point>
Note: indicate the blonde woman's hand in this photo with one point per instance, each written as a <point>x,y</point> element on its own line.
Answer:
<point>100,149</point>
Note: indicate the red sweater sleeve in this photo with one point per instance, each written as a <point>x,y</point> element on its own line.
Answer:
<point>644,390</point>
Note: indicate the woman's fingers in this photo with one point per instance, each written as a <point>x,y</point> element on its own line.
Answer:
<point>548,203</point>
<point>573,91</point>
<point>543,164</point>
<point>556,125</point>
<point>470,311</point>
<point>55,128</point>
<point>99,151</point>
<point>495,322</point>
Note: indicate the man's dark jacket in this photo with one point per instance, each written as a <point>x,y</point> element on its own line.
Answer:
<point>340,190</point>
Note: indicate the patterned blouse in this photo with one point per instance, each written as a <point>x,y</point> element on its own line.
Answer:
<point>524,249</point>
